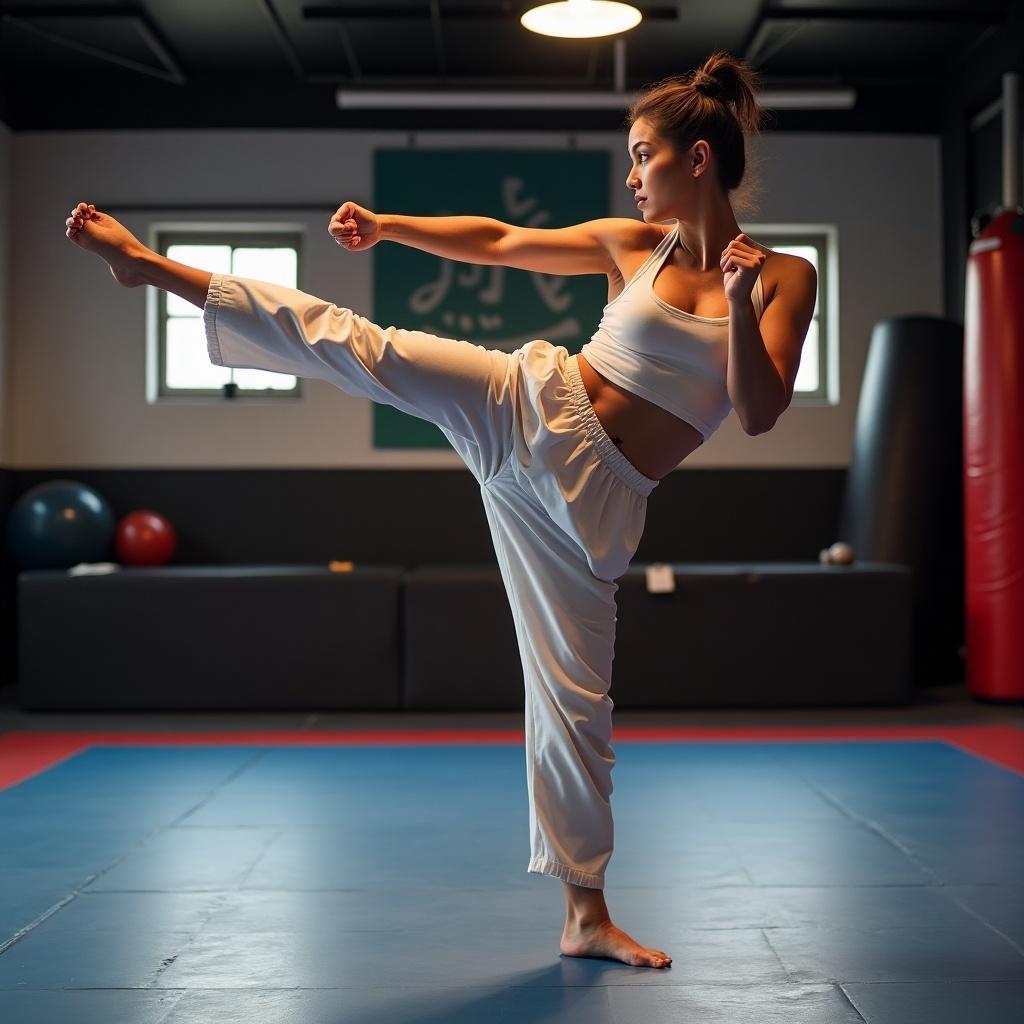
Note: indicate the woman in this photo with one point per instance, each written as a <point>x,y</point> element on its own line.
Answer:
<point>566,449</point>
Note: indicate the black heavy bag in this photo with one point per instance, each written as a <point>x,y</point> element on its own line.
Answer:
<point>903,500</point>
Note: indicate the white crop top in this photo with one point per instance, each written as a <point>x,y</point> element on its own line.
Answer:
<point>674,359</point>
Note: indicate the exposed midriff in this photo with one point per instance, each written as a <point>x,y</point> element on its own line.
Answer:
<point>653,440</point>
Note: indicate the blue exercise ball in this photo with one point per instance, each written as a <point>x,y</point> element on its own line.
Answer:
<point>59,524</point>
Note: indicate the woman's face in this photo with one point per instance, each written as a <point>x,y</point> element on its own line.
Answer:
<point>658,175</point>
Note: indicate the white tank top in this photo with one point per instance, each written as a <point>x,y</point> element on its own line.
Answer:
<point>674,359</point>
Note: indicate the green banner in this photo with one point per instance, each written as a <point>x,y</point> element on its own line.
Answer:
<point>497,307</point>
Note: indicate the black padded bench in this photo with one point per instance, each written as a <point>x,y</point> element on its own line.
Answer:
<point>205,637</point>
<point>730,634</point>
<point>460,640</point>
<point>442,638</point>
<point>769,634</point>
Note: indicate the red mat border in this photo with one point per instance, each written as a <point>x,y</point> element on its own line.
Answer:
<point>25,754</point>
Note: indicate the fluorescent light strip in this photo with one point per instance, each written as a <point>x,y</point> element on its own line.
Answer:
<point>781,99</point>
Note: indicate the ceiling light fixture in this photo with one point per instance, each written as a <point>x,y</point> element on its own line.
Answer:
<point>366,99</point>
<point>581,19</point>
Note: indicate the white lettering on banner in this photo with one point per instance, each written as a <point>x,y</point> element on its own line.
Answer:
<point>489,283</point>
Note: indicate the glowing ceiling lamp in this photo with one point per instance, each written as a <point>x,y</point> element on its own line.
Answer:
<point>581,19</point>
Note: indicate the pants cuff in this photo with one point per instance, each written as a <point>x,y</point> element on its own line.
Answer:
<point>546,866</point>
<point>213,300</point>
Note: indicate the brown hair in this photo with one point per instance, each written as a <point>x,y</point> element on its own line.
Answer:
<point>716,102</point>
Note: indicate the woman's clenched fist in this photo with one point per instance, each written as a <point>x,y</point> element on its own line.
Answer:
<point>355,227</point>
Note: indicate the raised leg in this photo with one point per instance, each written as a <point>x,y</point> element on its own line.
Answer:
<point>465,389</point>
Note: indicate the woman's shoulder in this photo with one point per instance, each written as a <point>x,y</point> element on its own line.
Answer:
<point>632,243</point>
<point>638,235</point>
<point>782,269</point>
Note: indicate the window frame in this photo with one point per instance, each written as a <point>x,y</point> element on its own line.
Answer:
<point>823,238</point>
<point>163,236</point>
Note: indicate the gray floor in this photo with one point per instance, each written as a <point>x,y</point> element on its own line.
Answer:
<point>847,883</point>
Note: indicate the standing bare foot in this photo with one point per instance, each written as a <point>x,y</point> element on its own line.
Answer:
<point>110,240</point>
<point>604,939</point>
<point>589,931</point>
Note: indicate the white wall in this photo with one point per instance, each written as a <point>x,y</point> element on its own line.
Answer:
<point>6,146</point>
<point>77,378</point>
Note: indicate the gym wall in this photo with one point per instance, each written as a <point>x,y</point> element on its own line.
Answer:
<point>78,342</point>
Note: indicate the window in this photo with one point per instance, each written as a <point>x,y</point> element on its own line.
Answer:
<point>817,246</point>
<point>183,366</point>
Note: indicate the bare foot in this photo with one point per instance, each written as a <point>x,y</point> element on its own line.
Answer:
<point>110,240</point>
<point>604,939</point>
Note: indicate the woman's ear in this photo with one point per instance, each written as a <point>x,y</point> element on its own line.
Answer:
<point>700,154</point>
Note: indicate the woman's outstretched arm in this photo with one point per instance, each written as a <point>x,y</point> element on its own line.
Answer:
<point>586,248</point>
<point>468,239</point>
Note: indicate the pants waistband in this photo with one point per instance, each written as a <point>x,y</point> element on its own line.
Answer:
<point>605,446</point>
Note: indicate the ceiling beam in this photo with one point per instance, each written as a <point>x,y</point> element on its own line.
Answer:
<point>387,12</point>
<point>917,15</point>
<point>24,17</point>
<point>290,52</point>
<point>435,24</point>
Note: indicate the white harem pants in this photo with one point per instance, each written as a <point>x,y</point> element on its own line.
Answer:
<point>566,510</point>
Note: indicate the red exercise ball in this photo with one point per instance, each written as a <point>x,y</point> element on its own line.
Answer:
<point>144,538</point>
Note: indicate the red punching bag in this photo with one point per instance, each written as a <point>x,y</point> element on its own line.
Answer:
<point>994,459</point>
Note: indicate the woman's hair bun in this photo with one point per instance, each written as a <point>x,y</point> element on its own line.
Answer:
<point>708,84</point>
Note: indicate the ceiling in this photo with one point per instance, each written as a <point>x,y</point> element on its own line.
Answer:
<point>277,63</point>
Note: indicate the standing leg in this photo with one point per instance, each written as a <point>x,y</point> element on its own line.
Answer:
<point>565,625</point>
<point>565,621</point>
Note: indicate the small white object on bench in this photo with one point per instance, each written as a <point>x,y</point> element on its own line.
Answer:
<point>660,579</point>
<point>93,568</point>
